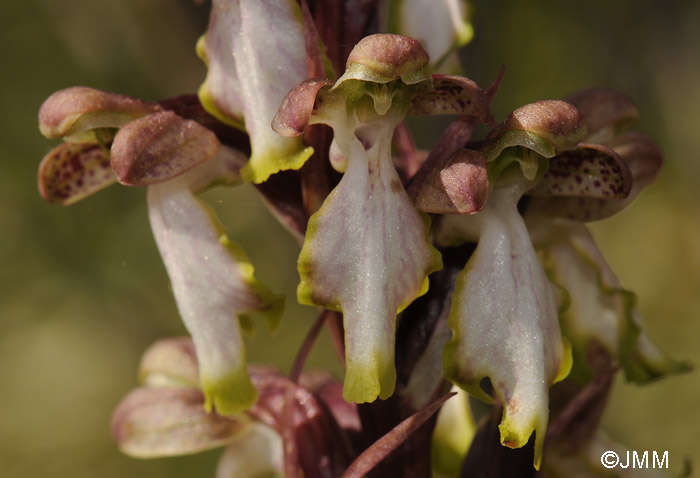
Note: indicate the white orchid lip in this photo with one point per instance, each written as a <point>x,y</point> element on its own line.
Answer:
<point>255,53</point>
<point>601,311</point>
<point>212,279</point>
<point>504,321</point>
<point>367,228</point>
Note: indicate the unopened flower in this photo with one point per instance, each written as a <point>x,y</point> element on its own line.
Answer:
<point>294,429</point>
<point>165,417</point>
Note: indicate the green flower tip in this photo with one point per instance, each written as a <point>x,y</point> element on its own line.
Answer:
<point>229,394</point>
<point>515,436</point>
<point>365,382</point>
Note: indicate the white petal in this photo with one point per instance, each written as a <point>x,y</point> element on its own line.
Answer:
<point>256,53</point>
<point>366,254</point>
<point>213,284</point>
<point>504,319</point>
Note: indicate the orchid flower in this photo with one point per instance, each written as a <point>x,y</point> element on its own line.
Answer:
<point>366,251</point>
<point>142,144</point>
<point>165,416</point>
<point>525,300</point>
<point>540,151</point>
<point>600,309</point>
<point>504,313</point>
<point>294,429</point>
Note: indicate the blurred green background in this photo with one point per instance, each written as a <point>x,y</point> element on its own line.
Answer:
<point>83,289</point>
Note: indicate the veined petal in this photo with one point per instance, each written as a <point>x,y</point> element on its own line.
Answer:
<point>255,454</point>
<point>453,95</point>
<point>441,26</point>
<point>638,153</point>
<point>590,170</point>
<point>214,286</point>
<point>73,171</point>
<point>600,309</point>
<point>504,321</point>
<point>366,254</point>
<point>256,53</point>
<point>156,422</point>
<point>78,109</point>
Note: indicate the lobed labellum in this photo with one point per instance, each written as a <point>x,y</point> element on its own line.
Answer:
<point>366,254</point>
<point>213,282</point>
<point>600,309</point>
<point>73,171</point>
<point>504,322</point>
